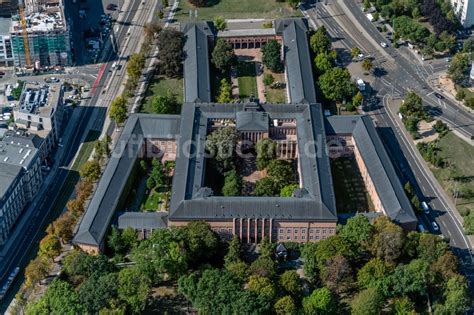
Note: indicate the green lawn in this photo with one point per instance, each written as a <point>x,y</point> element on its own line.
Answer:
<point>160,85</point>
<point>237,9</point>
<point>246,73</point>
<point>349,187</point>
<point>460,175</point>
<point>153,200</point>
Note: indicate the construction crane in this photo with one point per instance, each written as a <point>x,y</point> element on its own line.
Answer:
<point>21,7</point>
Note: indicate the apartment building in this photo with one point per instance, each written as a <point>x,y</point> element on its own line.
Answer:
<point>40,111</point>
<point>465,11</point>
<point>21,176</point>
<point>48,35</point>
<point>6,52</point>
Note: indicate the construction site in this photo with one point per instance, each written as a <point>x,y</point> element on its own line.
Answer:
<point>40,35</point>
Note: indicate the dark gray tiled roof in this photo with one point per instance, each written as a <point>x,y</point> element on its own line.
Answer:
<point>105,199</point>
<point>187,200</point>
<point>143,220</point>
<point>252,121</point>
<point>197,82</point>
<point>297,60</point>
<point>379,165</point>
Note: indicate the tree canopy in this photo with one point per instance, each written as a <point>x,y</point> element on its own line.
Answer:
<point>336,84</point>
<point>271,56</point>
<point>118,110</point>
<point>223,56</point>
<point>170,52</point>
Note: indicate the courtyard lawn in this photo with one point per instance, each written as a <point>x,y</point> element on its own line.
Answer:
<point>349,187</point>
<point>246,73</point>
<point>236,9</point>
<point>160,85</point>
<point>153,201</point>
<point>458,153</point>
<point>275,96</point>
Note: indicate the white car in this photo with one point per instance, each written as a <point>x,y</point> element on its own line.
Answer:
<point>383,44</point>
<point>360,56</point>
<point>435,226</point>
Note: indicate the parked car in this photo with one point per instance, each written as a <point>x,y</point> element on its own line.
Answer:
<point>111,7</point>
<point>426,207</point>
<point>435,226</point>
<point>383,44</point>
<point>439,96</point>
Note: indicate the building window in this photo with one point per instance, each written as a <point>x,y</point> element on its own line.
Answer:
<point>230,231</point>
<point>317,231</point>
<point>288,237</point>
<point>281,237</point>
<point>303,231</point>
<point>311,231</point>
<point>311,237</point>
<point>324,231</point>
<point>288,231</point>
<point>296,237</point>
<point>281,231</point>
<point>317,237</point>
<point>303,237</point>
<point>296,231</point>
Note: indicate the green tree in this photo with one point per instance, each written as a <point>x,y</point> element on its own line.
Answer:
<point>321,301</point>
<point>355,51</point>
<point>367,65</point>
<point>271,56</point>
<point>170,52</point>
<point>151,29</point>
<point>221,145</point>
<point>265,187</point>
<point>233,253</point>
<point>59,298</point>
<point>114,240</point>
<point>201,241</point>
<point>323,63</point>
<point>166,104</point>
<point>311,270</point>
<point>97,291</point>
<point>263,266</point>
<point>412,106</point>
<point>336,84</point>
<point>320,42</point>
<point>357,99</point>
<point>223,56</point>
<point>412,278</point>
<point>63,227</point>
<point>329,248</point>
<point>36,270</point>
<point>290,281</point>
<point>266,152</point>
<point>287,191</point>
<point>133,288</point>
<point>281,172</point>
<point>262,286</point>
<point>357,232</point>
<point>373,274</point>
<point>232,184</point>
<point>129,238</point>
<point>225,92</point>
<point>135,65</point>
<point>337,274</point>
<point>403,306</point>
<point>50,246</point>
<point>90,170</point>
<point>458,69</point>
<point>239,270</point>
<point>431,247</point>
<point>456,297</point>
<point>220,23</point>
<point>367,302</point>
<point>118,110</point>
<point>285,306</point>
<point>388,240</point>
<point>268,79</point>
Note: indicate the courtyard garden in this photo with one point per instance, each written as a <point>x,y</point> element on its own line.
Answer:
<point>161,85</point>
<point>349,187</point>
<point>246,73</point>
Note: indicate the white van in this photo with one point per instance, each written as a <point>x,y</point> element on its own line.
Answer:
<point>425,207</point>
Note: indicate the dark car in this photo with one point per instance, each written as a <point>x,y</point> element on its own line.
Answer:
<point>111,7</point>
<point>2,73</point>
<point>439,96</point>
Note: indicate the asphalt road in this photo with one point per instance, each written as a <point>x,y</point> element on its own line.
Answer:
<point>410,75</point>
<point>23,250</point>
<point>403,155</point>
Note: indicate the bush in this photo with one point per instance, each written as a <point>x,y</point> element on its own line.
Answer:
<point>220,23</point>
<point>272,56</point>
<point>268,79</point>
<point>441,128</point>
<point>460,95</point>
